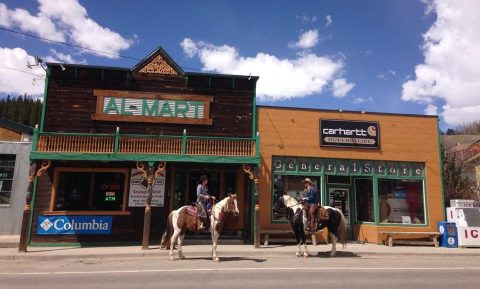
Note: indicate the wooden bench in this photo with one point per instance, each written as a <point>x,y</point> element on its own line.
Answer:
<point>391,235</point>
<point>267,233</point>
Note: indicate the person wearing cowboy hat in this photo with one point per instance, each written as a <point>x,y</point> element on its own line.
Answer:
<point>310,196</point>
<point>203,198</point>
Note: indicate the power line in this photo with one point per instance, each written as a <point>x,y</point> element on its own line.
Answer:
<point>68,44</point>
<point>31,73</point>
<point>80,47</point>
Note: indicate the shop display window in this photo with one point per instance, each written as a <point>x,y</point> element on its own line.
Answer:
<point>401,201</point>
<point>364,207</point>
<point>292,186</point>
<point>7,169</point>
<point>90,191</point>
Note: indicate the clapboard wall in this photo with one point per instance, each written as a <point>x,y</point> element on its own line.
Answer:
<point>70,101</point>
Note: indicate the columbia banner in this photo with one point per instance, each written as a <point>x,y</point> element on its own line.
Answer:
<point>342,133</point>
<point>74,225</point>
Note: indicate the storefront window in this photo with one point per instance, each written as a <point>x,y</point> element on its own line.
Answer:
<point>401,201</point>
<point>292,186</point>
<point>7,168</point>
<point>90,191</point>
<point>364,200</point>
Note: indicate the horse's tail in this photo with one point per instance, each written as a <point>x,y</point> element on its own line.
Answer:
<point>342,229</point>
<point>165,242</point>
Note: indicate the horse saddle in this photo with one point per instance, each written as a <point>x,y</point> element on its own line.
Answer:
<point>192,211</point>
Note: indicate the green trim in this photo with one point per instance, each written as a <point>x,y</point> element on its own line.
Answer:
<point>35,139</point>
<point>144,157</point>
<point>444,214</point>
<point>32,206</point>
<point>252,213</point>
<point>44,104</point>
<point>376,203</point>
<point>117,140</point>
<point>254,106</point>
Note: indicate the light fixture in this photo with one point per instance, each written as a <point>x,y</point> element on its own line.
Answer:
<point>38,62</point>
<point>62,65</point>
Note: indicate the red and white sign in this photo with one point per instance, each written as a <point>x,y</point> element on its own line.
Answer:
<point>468,236</point>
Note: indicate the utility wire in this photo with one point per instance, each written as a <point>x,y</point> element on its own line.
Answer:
<point>31,73</point>
<point>80,47</point>
<point>68,44</point>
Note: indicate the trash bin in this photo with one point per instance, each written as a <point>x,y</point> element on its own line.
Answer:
<point>448,237</point>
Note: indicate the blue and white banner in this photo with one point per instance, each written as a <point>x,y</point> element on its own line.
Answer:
<point>74,225</point>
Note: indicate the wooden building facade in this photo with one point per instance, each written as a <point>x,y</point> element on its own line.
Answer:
<point>105,131</point>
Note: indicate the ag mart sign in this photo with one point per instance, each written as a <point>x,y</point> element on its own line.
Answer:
<point>128,106</point>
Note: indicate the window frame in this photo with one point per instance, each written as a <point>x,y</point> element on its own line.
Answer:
<point>423,180</point>
<point>320,190</point>
<point>56,181</point>
<point>14,175</point>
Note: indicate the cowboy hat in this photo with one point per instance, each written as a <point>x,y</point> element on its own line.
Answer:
<point>307,180</point>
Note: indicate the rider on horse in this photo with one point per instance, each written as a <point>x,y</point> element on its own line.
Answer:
<point>310,197</point>
<point>203,197</point>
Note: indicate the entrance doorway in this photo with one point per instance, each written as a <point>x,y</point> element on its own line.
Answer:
<point>339,190</point>
<point>222,180</point>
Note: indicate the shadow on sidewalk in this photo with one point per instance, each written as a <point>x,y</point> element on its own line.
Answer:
<point>229,259</point>
<point>340,254</point>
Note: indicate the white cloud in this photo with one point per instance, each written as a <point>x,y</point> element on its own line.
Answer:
<point>67,58</point>
<point>306,40</point>
<point>308,19</point>
<point>13,81</point>
<point>451,68</point>
<point>280,79</point>
<point>359,100</point>
<point>341,87</point>
<point>431,109</point>
<point>66,20</point>
<point>392,72</point>
<point>328,20</point>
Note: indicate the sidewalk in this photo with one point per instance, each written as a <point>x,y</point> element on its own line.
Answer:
<point>352,250</point>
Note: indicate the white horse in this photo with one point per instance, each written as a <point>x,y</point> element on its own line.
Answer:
<point>329,217</point>
<point>182,219</point>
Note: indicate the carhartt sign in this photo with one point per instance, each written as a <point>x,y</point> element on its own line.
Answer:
<point>341,133</point>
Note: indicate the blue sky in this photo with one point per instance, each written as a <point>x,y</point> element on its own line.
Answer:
<point>374,55</point>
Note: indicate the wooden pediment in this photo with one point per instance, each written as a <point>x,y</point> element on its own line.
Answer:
<point>158,62</point>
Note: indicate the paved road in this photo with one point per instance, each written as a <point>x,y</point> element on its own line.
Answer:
<point>345,271</point>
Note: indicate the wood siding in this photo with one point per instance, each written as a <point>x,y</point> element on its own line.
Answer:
<point>71,102</point>
<point>295,132</point>
<point>6,134</point>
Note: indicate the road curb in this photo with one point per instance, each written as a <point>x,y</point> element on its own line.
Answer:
<point>32,256</point>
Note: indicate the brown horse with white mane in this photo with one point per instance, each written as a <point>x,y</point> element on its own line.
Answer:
<point>186,219</point>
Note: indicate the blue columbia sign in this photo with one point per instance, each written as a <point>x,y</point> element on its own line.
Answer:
<point>74,225</point>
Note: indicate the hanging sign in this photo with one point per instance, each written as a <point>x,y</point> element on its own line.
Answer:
<point>138,190</point>
<point>139,106</point>
<point>342,133</point>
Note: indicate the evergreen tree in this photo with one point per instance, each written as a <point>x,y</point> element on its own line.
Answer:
<point>23,109</point>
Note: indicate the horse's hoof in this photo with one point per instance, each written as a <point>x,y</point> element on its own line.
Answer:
<point>216,260</point>
<point>298,254</point>
<point>171,258</point>
<point>182,257</point>
<point>305,255</point>
<point>332,254</point>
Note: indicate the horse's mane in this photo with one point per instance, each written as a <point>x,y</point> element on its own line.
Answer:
<point>289,201</point>
<point>222,203</point>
